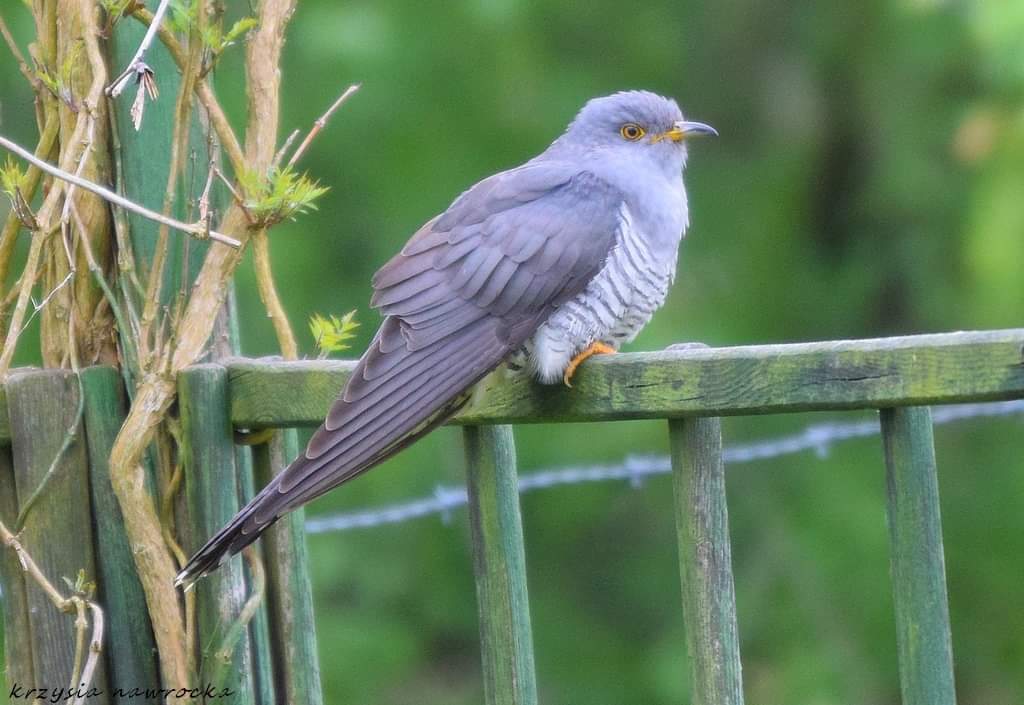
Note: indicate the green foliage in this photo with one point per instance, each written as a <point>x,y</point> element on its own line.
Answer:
<point>182,15</point>
<point>11,178</point>
<point>217,41</point>
<point>331,334</point>
<point>283,194</point>
<point>115,9</point>
<point>58,81</point>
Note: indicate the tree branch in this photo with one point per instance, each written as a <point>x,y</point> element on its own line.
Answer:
<point>269,296</point>
<point>137,63</point>
<point>321,122</point>
<point>196,229</point>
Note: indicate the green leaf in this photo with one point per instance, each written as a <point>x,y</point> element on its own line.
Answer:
<point>282,195</point>
<point>11,178</point>
<point>330,333</point>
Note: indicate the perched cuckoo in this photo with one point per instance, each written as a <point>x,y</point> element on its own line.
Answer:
<point>540,266</point>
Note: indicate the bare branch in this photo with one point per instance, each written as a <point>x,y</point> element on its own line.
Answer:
<point>47,140</point>
<point>30,568</point>
<point>18,56</point>
<point>285,147</point>
<point>137,67</point>
<point>321,122</point>
<point>268,294</point>
<point>218,119</point>
<point>95,650</point>
<point>197,230</point>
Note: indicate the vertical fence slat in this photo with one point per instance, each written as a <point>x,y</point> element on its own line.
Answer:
<point>705,561</point>
<point>499,564</point>
<point>290,595</point>
<point>17,631</point>
<point>58,528</point>
<point>259,627</point>
<point>918,567</point>
<point>129,645</point>
<point>211,499</point>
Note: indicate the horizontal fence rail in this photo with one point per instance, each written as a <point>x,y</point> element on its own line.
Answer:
<point>855,374</point>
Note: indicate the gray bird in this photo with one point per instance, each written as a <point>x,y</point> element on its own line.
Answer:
<point>539,266</point>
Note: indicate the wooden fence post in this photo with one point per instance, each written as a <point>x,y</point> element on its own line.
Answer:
<point>705,561</point>
<point>499,563</point>
<point>211,499</point>
<point>129,646</point>
<point>57,531</point>
<point>918,565</point>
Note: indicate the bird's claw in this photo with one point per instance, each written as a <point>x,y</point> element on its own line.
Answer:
<point>594,349</point>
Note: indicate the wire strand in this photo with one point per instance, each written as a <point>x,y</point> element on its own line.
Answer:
<point>635,469</point>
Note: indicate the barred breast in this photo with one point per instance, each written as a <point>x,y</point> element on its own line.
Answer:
<point>612,309</point>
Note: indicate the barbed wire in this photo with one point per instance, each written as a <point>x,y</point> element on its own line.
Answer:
<point>819,437</point>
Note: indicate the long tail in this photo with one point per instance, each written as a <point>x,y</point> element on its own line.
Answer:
<point>252,520</point>
<point>402,388</point>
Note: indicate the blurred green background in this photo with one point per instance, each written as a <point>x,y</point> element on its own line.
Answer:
<point>869,180</point>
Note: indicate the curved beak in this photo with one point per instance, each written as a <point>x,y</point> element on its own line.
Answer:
<point>685,129</point>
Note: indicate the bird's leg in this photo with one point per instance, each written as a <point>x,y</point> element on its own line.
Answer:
<point>595,348</point>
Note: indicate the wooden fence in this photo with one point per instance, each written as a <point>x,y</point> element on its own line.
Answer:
<point>274,658</point>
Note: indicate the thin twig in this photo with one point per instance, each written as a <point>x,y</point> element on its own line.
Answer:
<point>218,120</point>
<point>321,122</point>
<point>285,147</point>
<point>95,650</point>
<point>127,332</point>
<point>268,294</point>
<point>236,195</point>
<point>18,56</point>
<point>81,624</point>
<point>37,307</point>
<point>137,64</point>
<point>29,567</point>
<point>195,229</point>
<point>30,183</point>
<point>179,146</point>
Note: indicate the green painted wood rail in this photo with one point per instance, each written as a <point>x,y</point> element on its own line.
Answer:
<point>900,377</point>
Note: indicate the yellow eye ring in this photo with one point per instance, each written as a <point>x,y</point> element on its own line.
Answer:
<point>632,132</point>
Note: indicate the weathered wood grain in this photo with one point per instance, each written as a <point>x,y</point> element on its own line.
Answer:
<point>17,630</point>
<point>499,564</point>
<point>130,648</point>
<point>705,561</point>
<point>861,374</point>
<point>289,592</point>
<point>918,566</point>
<point>5,419</point>
<point>211,499</point>
<point>58,528</point>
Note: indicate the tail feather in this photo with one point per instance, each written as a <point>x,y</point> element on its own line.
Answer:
<point>249,523</point>
<point>227,542</point>
<point>374,418</point>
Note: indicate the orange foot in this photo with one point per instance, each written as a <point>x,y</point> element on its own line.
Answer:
<point>594,349</point>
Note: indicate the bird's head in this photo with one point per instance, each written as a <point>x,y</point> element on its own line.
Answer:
<point>636,123</point>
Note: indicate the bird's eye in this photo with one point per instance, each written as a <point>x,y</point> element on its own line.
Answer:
<point>631,131</point>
